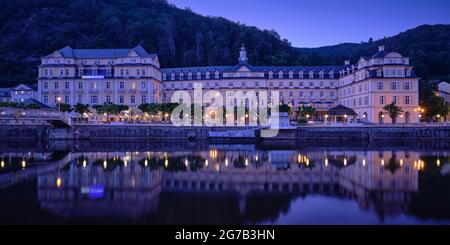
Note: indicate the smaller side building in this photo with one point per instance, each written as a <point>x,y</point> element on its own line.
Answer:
<point>22,93</point>
<point>444,91</point>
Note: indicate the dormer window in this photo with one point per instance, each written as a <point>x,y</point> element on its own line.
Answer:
<point>181,76</point>
<point>190,76</point>
<point>199,75</point>
<point>217,74</point>
<point>300,74</point>
<point>270,74</point>
<point>311,74</point>
<point>207,75</point>
<point>280,74</point>
<point>172,76</point>
<point>291,74</point>
<point>321,75</point>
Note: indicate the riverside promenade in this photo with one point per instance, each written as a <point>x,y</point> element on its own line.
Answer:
<point>169,132</point>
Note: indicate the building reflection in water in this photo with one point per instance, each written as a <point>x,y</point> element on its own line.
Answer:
<point>131,184</point>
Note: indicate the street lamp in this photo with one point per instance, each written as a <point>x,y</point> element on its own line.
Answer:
<point>59,103</point>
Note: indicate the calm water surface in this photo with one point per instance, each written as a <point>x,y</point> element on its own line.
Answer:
<point>203,183</point>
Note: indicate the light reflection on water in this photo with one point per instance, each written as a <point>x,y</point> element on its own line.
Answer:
<point>233,184</point>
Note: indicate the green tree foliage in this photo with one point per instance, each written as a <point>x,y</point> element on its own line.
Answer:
<point>19,105</point>
<point>110,109</point>
<point>284,108</point>
<point>434,106</point>
<point>393,111</point>
<point>65,107</point>
<point>32,29</point>
<point>81,108</point>
<point>303,111</point>
<point>154,109</point>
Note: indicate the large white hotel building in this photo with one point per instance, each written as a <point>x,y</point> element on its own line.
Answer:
<point>133,76</point>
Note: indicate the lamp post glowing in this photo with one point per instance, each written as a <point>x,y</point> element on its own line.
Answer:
<point>59,103</point>
<point>58,182</point>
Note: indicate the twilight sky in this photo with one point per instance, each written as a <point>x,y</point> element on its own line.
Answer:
<point>314,23</point>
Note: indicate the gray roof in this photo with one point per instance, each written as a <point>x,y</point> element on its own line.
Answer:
<point>380,54</point>
<point>102,53</point>
<point>40,104</point>
<point>341,110</point>
<point>252,68</point>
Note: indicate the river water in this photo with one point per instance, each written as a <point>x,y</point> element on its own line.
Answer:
<point>182,182</point>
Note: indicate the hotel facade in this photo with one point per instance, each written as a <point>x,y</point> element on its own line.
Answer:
<point>96,76</point>
<point>133,77</point>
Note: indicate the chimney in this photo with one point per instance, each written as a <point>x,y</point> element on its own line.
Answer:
<point>381,48</point>
<point>346,62</point>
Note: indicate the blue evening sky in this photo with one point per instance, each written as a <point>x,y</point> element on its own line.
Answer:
<point>314,23</point>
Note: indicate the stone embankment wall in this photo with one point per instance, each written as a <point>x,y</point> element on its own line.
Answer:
<point>431,132</point>
<point>201,133</point>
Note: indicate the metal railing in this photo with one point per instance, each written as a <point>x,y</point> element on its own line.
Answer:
<point>33,115</point>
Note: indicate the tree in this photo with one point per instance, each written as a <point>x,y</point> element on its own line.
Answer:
<point>65,107</point>
<point>436,105</point>
<point>393,111</point>
<point>304,112</point>
<point>151,109</point>
<point>81,108</point>
<point>284,108</point>
<point>110,109</point>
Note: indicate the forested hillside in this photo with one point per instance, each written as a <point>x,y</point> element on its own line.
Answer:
<point>33,28</point>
